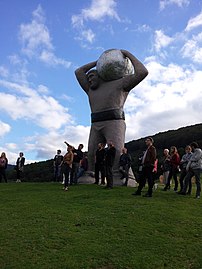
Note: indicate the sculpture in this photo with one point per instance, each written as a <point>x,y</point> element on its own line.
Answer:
<point>107,98</point>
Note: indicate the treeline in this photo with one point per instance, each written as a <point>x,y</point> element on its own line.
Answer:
<point>43,171</point>
<point>34,172</point>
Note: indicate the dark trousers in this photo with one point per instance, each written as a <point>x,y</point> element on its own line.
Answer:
<point>99,168</point>
<point>57,173</point>
<point>3,174</point>
<point>74,173</point>
<point>173,173</point>
<point>124,170</point>
<point>182,176</point>
<point>109,176</point>
<point>190,174</point>
<point>146,175</point>
<point>19,174</point>
<point>66,171</point>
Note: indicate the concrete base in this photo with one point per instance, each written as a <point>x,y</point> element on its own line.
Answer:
<point>88,178</point>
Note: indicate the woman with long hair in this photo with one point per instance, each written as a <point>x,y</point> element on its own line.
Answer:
<point>174,162</point>
<point>3,166</point>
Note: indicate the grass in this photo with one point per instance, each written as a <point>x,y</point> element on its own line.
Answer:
<point>88,227</point>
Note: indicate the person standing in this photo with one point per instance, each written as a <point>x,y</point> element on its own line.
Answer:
<point>3,167</point>
<point>20,166</point>
<point>100,164</point>
<point>109,162</point>
<point>174,161</point>
<point>148,162</point>
<point>124,165</point>
<point>57,164</point>
<point>83,167</point>
<point>183,164</point>
<point>67,165</point>
<point>166,166</point>
<point>193,168</point>
<point>78,156</point>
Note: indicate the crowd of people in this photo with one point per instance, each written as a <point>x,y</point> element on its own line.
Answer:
<point>74,164</point>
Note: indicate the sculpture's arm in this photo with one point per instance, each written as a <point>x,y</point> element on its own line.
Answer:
<point>141,72</point>
<point>82,77</point>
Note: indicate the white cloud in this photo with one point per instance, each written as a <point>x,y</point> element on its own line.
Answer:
<point>194,22</point>
<point>26,103</point>
<point>161,40</point>
<point>45,146</point>
<point>5,128</point>
<point>36,40</point>
<point>88,35</point>
<point>179,3</point>
<point>168,98</point>
<point>192,49</point>
<point>98,10</point>
<point>4,71</point>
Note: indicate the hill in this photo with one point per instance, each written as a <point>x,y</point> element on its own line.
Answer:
<point>179,138</point>
<point>43,171</point>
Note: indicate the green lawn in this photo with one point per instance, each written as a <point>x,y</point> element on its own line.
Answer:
<point>41,226</point>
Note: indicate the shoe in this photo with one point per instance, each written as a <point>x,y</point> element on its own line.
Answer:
<point>182,193</point>
<point>136,193</point>
<point>96,183</point>
<point>197,197</point>
<point>108,188</point>
<point>175,190</point>
<point>147,195</point>
<point>66,189</point>
<point>188,193</point>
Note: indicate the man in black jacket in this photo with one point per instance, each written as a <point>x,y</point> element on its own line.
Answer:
<point>109,162</point>
<point>124,165</point>
<point>148,162</point>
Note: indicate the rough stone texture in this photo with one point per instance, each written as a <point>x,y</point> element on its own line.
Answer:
<point>113,65</point>
<point>106,95</point>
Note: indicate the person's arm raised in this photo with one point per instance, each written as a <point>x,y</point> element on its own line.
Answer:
<point>130,81</point>
<point>82,77</point>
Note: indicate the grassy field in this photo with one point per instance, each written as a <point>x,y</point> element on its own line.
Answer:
<point>88,227</point>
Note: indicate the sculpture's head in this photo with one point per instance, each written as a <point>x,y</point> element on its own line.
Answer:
<point>93,79</point>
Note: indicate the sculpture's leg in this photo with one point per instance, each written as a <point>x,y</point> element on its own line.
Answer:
<point>96,137</point>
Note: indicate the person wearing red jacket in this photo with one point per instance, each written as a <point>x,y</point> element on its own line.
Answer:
<point>174,162</point>
<point>148,163</point>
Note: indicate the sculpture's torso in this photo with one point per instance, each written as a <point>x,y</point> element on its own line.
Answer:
<point>109,95</point>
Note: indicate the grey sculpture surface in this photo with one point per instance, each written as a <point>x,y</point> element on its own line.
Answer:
<point>106,100</point>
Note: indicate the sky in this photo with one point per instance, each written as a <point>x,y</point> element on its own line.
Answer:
<point>43,42</point>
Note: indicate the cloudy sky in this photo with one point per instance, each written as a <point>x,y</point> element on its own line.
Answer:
<point>43,42</point>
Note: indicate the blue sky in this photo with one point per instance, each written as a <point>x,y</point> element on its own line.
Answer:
<point>43,42</point>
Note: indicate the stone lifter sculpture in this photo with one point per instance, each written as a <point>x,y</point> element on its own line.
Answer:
<point>106,100</point>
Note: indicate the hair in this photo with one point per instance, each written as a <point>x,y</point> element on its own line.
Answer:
<point>194,145</point>
<point>174,148</point>
<point>166,150</point>
<point>81,145</point>
<point>59,151</point>
<point>187,147</point>
<point>151,139</point>
<point>3,153</point>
